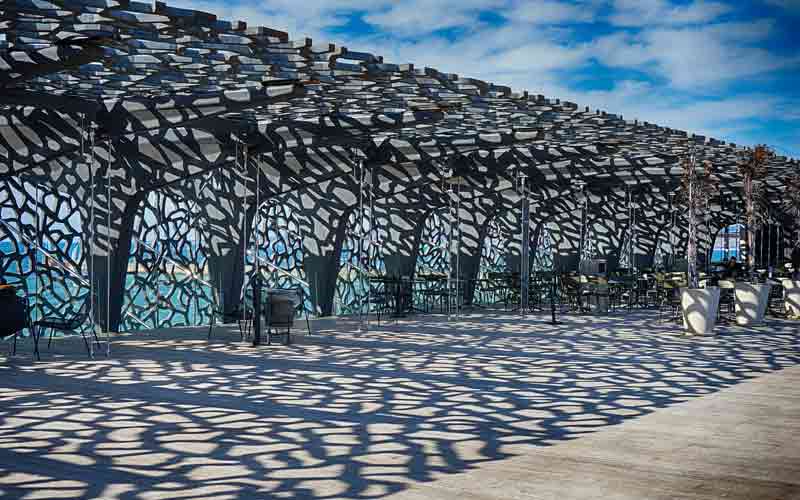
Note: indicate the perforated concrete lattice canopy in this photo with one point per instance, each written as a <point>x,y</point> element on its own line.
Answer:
<point>156,99</point>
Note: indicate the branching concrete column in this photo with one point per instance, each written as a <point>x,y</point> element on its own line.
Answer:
<point>401,235</point>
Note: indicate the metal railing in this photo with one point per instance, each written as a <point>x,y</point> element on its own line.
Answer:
<point>54,260</point>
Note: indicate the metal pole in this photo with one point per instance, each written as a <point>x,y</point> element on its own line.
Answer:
<point>257,226</point>
<point>634,236</point>
<point>581,243</point>
<point>92,303</point>
<point>108,245</point>
<point>255,276</point>
<point>769,245</point>
<point>630,233</point>
<point>360,226</point>
<point>525,249</point>
<point>631,225</point>
<point>195,254</point>
<point>726,241</point>
<point>157,270</point>
<point>222,296</point>
<point>373,243</point>
<point>36,247</point>
<point>459,282</point>
<point>449,193</point>
<point>245,284</point>
<point>738,233</point>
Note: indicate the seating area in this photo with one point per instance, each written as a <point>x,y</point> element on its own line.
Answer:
<point>267,266</point>
<point>418,408</point>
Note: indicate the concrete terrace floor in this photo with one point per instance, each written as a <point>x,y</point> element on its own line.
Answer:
<point>488,407</point>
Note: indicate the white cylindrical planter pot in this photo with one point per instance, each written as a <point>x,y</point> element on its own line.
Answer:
<point>700,307</point>
<point>601,306</point>
<point>751,303</point>
<point>791,295</point>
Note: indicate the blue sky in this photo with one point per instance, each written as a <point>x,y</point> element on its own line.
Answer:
<point>726,69</point>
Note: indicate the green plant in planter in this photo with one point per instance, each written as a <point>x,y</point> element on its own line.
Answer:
<point>753,169</point>
<point>698,186</point>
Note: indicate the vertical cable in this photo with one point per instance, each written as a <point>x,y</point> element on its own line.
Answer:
<point>769,244</point>
<point>92,247</point>
<point>630,230</point>
<point>36,248</point>
<point>459,283</point>
<point>360,258</point>
<point>710,239</point>
<point>373,244</point>
<point>525,249</point>
<point>256,223</point>
<point>108,244</point>
<point>738,232</point>
<point>581,243</point>
<point>194,253</point>
<point>449,194</point>
<point>222,298</point>
<point>243,169</point>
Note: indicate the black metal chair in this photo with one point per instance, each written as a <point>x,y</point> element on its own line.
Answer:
<point>570,289</point>
<point>670,301</point>
<point>628,291</point>
<point>435,290</point>
<point>380,298</point>
<point>540,285</point>
<point>71,323</point>
<point>15,311</point>
<point>777,301</point>
<point>510,291</point>
<point>727,303</point>
<point>301,294</point>
<point>281,310</point>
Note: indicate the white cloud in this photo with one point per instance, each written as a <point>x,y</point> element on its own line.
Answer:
<point>663,12</point>
<point>695,57</point>
<point>539,56</point>
<point>736,118</point>
<point>552,12</point>
<point>426,16</point>
<point>305,18</point>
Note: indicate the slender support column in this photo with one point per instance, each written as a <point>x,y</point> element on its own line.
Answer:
<point>524,267</point>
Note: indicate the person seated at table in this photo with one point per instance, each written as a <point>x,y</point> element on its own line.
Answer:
<point>796,262</point>
<point>731,269</point>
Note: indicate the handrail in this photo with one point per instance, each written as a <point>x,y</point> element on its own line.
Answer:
<point>36,246</point>
<point>279,270</point>
<point>83,281</point>
<point>163,256</point>
<point>130,314</point>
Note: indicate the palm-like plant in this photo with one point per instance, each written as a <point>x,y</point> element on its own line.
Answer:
<point>698,186</point>
<point>791,204</point>
<point>754,168</point>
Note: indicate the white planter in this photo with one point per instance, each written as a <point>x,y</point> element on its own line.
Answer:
<point>601,304</point>
<point>700,307</point>
<point>791,290</point>
<point>751,303</point>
